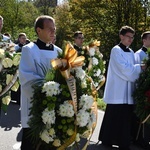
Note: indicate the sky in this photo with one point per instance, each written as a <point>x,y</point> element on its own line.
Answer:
<point>60,1</point>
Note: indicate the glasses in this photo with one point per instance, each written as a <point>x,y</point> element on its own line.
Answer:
<point>130,37</point>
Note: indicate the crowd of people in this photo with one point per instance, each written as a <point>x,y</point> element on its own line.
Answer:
<point>124,68</point>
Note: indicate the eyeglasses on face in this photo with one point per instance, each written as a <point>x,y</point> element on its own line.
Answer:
<point>130,37</point>
<point>80,38</point>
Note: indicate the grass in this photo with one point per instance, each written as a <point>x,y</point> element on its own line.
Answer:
<point>101,104</point>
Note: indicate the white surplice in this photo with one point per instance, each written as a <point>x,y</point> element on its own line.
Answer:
<point>30,69</point>
<point>122,73</point>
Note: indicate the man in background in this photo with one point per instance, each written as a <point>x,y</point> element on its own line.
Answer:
<point>143,138</point>
<point>141,54</point>
<point>3,37</point>
<point>78,41</point>
<point>22,40</point>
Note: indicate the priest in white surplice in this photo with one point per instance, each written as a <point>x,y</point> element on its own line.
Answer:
<point>122,73</point>
<point>33,56</point>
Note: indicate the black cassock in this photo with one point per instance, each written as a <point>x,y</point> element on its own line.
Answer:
<point>116,125</point>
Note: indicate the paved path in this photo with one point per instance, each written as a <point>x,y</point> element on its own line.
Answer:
<point>10,131</point>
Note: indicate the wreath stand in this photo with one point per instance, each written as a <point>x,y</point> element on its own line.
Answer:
<point>142,124</point>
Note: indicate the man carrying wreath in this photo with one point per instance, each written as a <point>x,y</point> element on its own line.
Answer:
<point>34,56</point>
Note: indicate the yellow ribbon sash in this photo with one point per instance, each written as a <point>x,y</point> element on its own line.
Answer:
<point>69,61</point>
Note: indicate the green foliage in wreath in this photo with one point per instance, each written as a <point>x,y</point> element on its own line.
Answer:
<point>141,94</point>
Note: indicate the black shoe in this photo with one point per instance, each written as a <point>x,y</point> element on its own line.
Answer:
<point>106,144</point>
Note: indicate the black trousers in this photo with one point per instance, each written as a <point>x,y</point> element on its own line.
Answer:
<point>26,141</point>
<point>0,106</point>
<point>16,95</point>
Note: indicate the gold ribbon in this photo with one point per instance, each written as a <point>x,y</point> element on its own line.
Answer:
<point>94,108</point>
<point>70,60</point>
<point>94,43</point>
<point>7,88</point>
<point>68,141</point>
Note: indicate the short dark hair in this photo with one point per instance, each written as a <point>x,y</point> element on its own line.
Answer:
<point>7,34</point>
<point>125,29</point>
<point>144,35</point>
<point>21,34</point>
<point>39,22</point>
<point>77,33</point>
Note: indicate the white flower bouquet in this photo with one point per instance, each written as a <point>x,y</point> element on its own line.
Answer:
<point>9,62</point>
<point>96,64</point>
<point>63,106</point>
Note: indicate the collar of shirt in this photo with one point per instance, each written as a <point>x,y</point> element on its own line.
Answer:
<point>144,49</point>
<point>123,47</point>
<point>77,48</point>
<point>43,46</point>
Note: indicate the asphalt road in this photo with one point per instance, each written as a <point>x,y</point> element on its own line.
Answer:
<point>11,131</point>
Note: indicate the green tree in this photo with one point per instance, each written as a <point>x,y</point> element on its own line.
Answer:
<point>102,19</point>
<point>19,15</point>
<point>45,6</point>
<point>64,23</point>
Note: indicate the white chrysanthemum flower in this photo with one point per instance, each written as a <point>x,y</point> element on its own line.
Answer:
<point>94,61</point>
<point>2,53</point>
<point>66,109</point>
<point>51,132</point>
<point>97,72</point>
<point>86,101</point>
<point>0,88</point>
<point>7,63</point>
<point>15,86</point>
<point>101,78</point>
<point>77,137</point>
<point>57,143</point>
<point>92,51</point>
<point>101,55</point>
<point>16,60</point>
<point>96,84</point>
<point>83,83</point>
<point>70,132</point>
<point>48,117</point>
<point>82,118</point>
<point>51,88</point>
<point>80,73</point>
<point>45,137</point>
<point>6,100</point>
<point>9,78</point>
<point>104,70</point>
